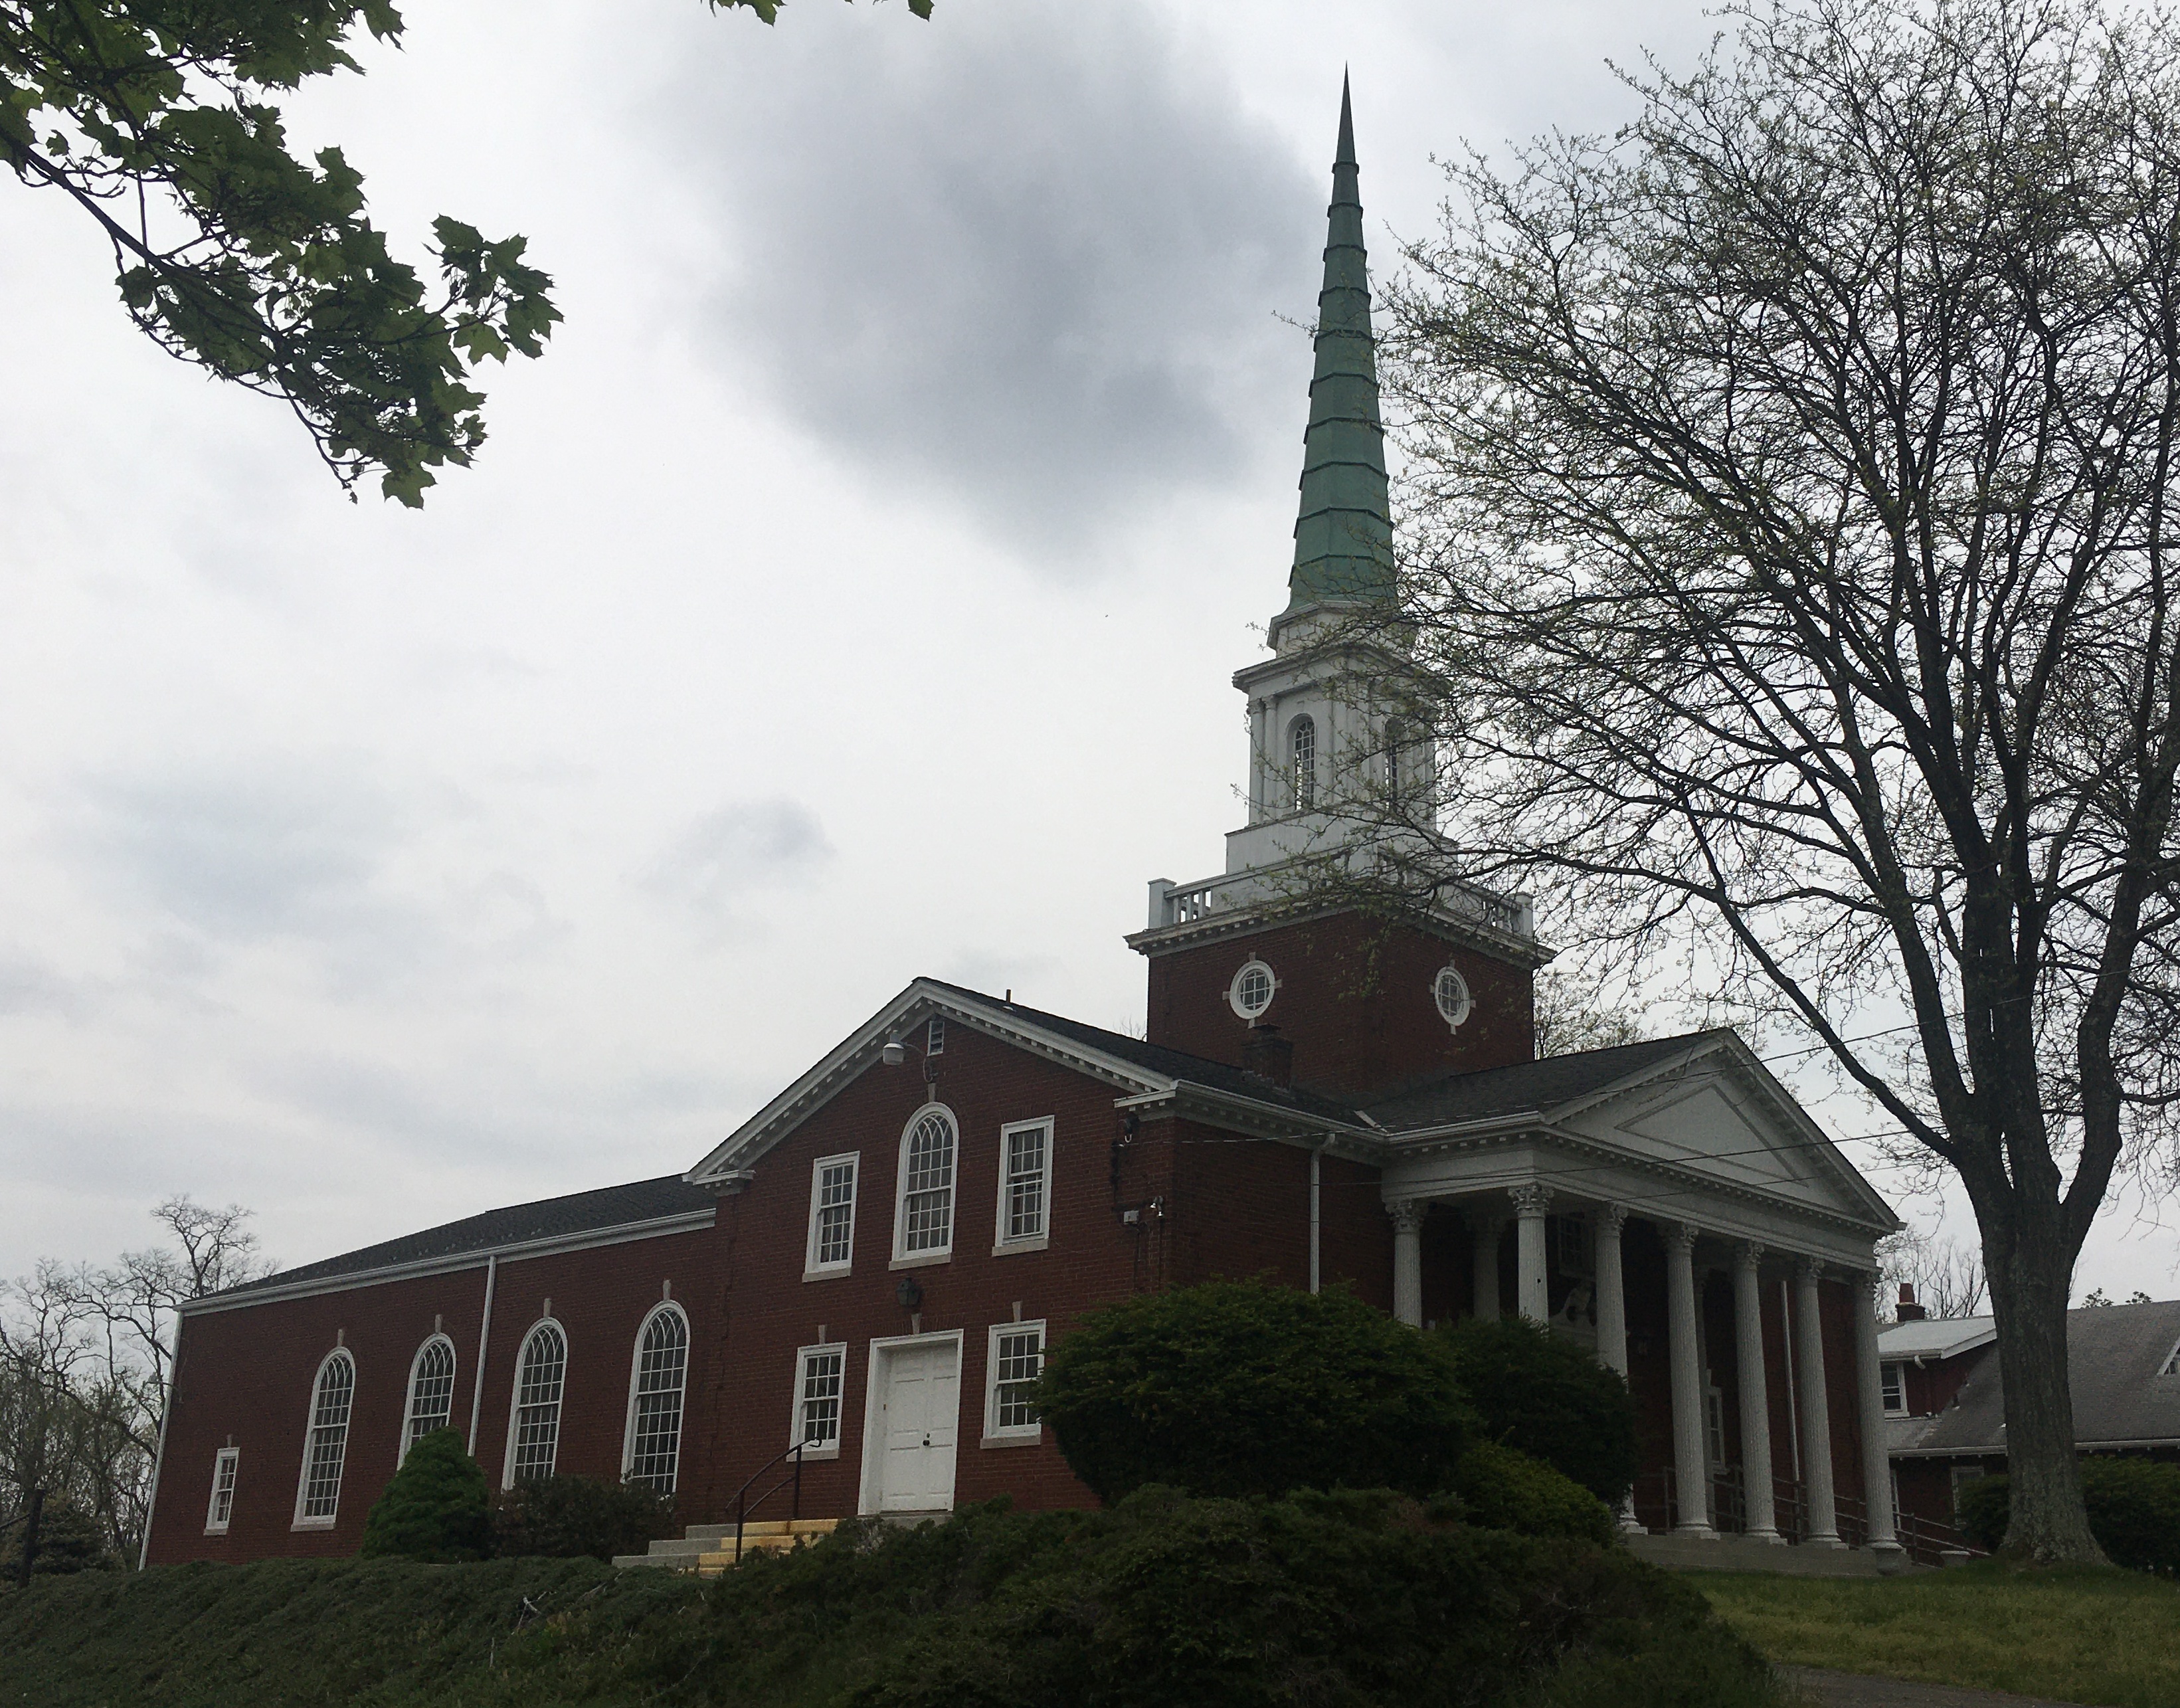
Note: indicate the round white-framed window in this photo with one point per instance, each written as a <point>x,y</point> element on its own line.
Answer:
<point>1253,990</point>
<point>1450,991</point>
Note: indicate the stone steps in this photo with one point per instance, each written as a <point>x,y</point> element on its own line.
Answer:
<point>708,1549</point>
<point>1730,1553</point>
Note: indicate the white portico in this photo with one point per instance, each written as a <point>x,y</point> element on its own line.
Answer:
<point>1751,1284</point>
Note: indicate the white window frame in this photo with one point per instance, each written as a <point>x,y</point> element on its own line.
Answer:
<point>327,1521</point>
<point>2171,1366</point>
<point>1462,1005</point>
<point>902,1257</point>
<point>812,1269</point>
<point>1234,990</point>
<point>1002,1245</point>
<point>994,1436</point>
<point>802,1357</point>
<point>514,1396</point>
<point>227,1461</point>
<point>934,1035</point>
<point>665,1307</point>
<point>409,1399</point>
<point>1899,1385</point>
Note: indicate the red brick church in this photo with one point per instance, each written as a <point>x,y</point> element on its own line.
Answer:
<point>872,1264</point>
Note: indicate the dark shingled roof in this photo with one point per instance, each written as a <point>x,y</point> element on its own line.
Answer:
<point>2114,1353</point>
<point>548,1218</point>
<point>1529,1085</point>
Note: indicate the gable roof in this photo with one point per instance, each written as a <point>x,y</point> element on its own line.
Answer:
<point>1537,1087</point>
<point>2114,1355</point>
<point>644,1206</point>
<point>1935,1337</point>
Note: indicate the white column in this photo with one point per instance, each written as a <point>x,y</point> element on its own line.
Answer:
<point>1876,1462</point>
<point>1691,1458</point>
<point>1755,1402</point>
<point>1532,1279</point>
<point>1612,1315</point>
<point>1483,1235</point>
<point>1407,1215</point>
<point>1816,1414</point>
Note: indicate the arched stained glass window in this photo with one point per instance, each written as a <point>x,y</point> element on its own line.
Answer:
<point>654,1425</point>
<point>332,1397</point>
<point>540,1378</point>
<point>926,1184</point>
<point>1301,754</point>
<point>430,1390</point>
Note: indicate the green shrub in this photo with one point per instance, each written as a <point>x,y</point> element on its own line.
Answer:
<point>69,1540</point>
<point>1242,1388</point>
<point>1551,1398</point>
<point>565,1518</point>
<point>437,1507</point>
<point>2133,1506</point>
<point>1504,1489</point>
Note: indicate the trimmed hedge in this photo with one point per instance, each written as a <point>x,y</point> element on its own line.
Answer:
<point>1236,1388</point>
<point>1504,1489</point>
<point>2133,1506</point>
<point>567,1517</point>
<point>437,1507</point>
<point>1549,1397</point>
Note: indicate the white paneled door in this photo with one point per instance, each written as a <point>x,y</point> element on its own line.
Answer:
<point>920,1409</point>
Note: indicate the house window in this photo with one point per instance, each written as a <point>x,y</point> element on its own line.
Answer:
<point>1394,735</point>
<point>1253,990</point>
<point>221,1507</point>
<point>1016,1362</point>
<point>2171,1364</point>
<point>1302,755</point>
<point>817,1422</point>
<point>534,1427</point>
<point>1025,1171</point>
<point>832,1215</point>
<point>925,1217</point>
<point>326,1451</point>
<point>430,1390</point>
<point>934,1037</point>
<point>654,1413</point>
<point>1715,1425</point>
<point>1892,1384</point>
<point>1577,1253</point>
<point>1450,991</point>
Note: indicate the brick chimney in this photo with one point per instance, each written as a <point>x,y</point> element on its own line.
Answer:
<point>1909,1311</point>
<point>1268,1055</point>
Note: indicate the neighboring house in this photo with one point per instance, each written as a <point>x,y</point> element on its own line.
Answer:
<point>1945,1396</point>
<point>873,1264</point>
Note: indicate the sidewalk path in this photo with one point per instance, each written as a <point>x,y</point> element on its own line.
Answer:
<point>1831,1689</point>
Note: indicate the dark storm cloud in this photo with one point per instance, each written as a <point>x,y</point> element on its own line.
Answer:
<point>1033,261</point>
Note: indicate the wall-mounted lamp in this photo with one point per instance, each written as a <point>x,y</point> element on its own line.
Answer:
<point>893,1052</point>
<point>909,1293</point>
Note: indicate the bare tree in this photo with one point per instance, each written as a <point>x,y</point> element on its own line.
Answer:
<point>1947,1275</point>
<point>1793,481</point>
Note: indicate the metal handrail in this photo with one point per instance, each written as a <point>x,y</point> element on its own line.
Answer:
<point>743,1504</point>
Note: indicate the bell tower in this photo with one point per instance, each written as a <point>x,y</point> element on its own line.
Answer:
<point>1269,965</point>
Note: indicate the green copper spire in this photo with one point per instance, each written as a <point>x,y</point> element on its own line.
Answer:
<point>1344,535</point>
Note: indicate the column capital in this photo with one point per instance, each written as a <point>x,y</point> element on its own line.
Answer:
<point>1684,1235</point>
<point>1407,1213</point>
<point>1749,1255</point>
<point>1612,1218</point>
<point>1532,1197</point>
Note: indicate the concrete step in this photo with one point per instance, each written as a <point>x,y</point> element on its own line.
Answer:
<point>708,1549</point>
<point>1731,1553</point>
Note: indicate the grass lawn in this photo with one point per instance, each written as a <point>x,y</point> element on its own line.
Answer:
<point>2111,1639</point>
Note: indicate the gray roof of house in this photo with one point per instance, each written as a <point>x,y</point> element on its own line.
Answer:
<point>1935,1337</point>
<point>1544,1084</point>
<point>523,1224</point>
<point>2114,1356</point>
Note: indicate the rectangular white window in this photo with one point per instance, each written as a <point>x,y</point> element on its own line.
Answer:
<point>1577,1255</point>
<point>935,1037</point>
<point>1015,1360</point>
<point>816,1420</point>
<point>222,1508</point>
<point>1025,1182</point>
<point>1891,1383</point>
<point>832,1215</point>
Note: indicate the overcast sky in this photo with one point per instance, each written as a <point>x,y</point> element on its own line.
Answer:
<point>849,593</point>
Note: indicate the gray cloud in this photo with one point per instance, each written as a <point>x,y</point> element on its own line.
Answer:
<point>30,985</point>
<point>1033,264</point>
<point>717,863</point>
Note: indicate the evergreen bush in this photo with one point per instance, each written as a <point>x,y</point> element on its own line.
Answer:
<point>565,1518</point>
<point>437,1507</point>
<point>1234,1388</point>
<point>69,1540</point>
<point>1548,1396</point>
<point>2133,1506</point>
<point>1504,1489</point>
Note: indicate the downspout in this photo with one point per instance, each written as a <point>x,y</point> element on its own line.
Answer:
<point>484,1339</point>
<point>1316,1155</point>
<point>1794,1394</point>
<point>159,1455</point>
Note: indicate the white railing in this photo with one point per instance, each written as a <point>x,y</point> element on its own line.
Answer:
<point>1186,904</point>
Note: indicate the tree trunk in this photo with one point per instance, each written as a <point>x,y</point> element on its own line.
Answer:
<point>2029,1299</point>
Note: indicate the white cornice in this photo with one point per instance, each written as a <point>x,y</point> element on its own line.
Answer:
<point>1164,939</point>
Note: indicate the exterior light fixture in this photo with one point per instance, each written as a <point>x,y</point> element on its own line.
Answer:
<point>894,1052</point>
<point>909,1293</point>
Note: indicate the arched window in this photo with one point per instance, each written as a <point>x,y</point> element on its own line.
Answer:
<point>1396,739</point>
<point>923,1220</point>
<point>534,1429</point>
<point>431,1392</point>
<point>654,1404</point>
<point>325,1450</point>
<point>1302,753</point>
